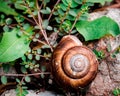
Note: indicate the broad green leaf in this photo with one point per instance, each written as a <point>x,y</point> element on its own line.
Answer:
<point>3,79</point>
<point>98,28</point>
<point>4,7</point>
<point>99,1</point>
<point>12,46</point>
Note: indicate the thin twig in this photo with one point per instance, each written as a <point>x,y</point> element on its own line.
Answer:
<point>22,75</point>
<point>107,7</point>
<point>53,9</point>
<point>77,17</point>
<point>41,42</point>
<point>62,20</point>
<point>75,22</point>
<point>40,25</point>
<point>41,4</point>
<point>29,20</point>
<point>30,12</point>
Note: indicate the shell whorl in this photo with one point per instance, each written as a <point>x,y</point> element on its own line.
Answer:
<point>73,65</point>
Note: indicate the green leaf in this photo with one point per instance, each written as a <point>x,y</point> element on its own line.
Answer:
<point>23,69</point>
<point>24,87</point>
<point>27,79</point>
<point>99,54</point>
<point>116,92</point>
<point>78,1</point>
<point>49,28</point>
<point>30,56</point>
<point>46,1</point>
<point>45,23</point>
<point>99,1</point>
<point>73,12</point>
<point>31,4</point>
<point>46,11</point>
<point>72,3</point>
<point>6,28</point>
<point>4,7</point>
<point>42,76</point>
<point>63,7</point>
<point>3,79</point>
<point>37,57</point>
<point>19,5</point>
<point>25,92</point>
<point>98,28</point>
<point>8,21</point>
<point>17,80</point>
<point>43,68</point>
<point>12,47</point>
<point>61,12</point>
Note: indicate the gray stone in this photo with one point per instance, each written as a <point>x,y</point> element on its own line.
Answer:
<point>31,93</point>
<point>110,12</point>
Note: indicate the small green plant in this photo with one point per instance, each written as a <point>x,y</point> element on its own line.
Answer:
<point>100,54</point>
<point>116,92</point>
<point>21,89</point>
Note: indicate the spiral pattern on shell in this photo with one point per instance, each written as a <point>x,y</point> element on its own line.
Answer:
<point>73,64</point>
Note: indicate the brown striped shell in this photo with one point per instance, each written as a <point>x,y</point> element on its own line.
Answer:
<point>73,64</point>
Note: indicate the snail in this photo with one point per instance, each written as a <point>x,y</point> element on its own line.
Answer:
<point>73,64</point>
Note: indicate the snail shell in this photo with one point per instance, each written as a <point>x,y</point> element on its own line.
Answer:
<point>73,64</point>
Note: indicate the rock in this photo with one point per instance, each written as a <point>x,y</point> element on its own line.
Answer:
<point>110,12</point>
<point>108,77</point>
<point>31,93</point>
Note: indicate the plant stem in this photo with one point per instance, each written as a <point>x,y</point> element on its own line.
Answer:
<point>62,20</point>
<point>53,9</point>
<point>23,75</point>
<point>29,20</point>
<point>41,42</point>
<point>40,25</point>
<point>77,17</point>
<point>30,12</point>
<point>75,22</point>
